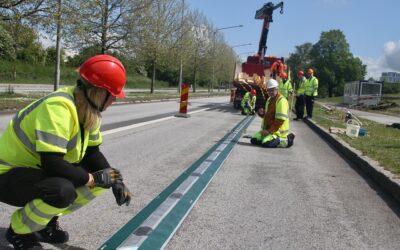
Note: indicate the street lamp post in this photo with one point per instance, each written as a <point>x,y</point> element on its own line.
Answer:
<point>213,50</point>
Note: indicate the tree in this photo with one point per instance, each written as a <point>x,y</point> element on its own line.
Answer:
<point>21,9</point>
<point>106,23</point>
<point>300,59</point>
<point>157,35</point>
<point>334,63</point>
<point>6,49</point>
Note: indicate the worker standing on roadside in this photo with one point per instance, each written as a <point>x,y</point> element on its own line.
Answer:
<point>310,92</point>
<point>285,86</point>
<point>50,162</point>
<point>275,123</point>
<point>299,106</point>
<point>249,103</point>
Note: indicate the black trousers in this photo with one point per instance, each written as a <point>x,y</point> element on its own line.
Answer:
<point>309,105</point>
<point>22,185</point>
<point>299,106</point>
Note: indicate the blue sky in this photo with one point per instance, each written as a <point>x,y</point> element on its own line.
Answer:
<point>371,27</point>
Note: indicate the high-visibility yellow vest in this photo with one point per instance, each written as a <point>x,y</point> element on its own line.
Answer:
<point>246,98</point>
<point>301,89</point>
<point>49,124</point>
<point>311,87</point>
<point>281,113</point>
<point>285,87</point>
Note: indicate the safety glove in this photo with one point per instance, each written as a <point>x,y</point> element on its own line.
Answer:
<point>105,178</point>
<point>121,193</point>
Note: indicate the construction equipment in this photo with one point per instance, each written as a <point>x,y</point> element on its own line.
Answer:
<point>255,72</point>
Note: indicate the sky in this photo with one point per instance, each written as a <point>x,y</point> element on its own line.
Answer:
<point>371,27</point>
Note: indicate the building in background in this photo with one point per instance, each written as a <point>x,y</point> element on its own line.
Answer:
<point>391,77</point>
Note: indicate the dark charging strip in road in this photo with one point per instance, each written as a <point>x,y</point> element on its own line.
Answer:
<point>155,224</point>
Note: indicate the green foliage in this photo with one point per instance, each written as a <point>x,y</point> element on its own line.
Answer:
<point>6,48</point>
<point>51,54</point>
<point>391,88</point>
<point>334,64</point>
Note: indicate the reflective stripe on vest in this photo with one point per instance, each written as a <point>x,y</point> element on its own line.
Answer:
<point>52,139</point>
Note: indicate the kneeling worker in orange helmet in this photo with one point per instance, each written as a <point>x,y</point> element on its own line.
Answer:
<point>50,162</point>
<point>275,123</point>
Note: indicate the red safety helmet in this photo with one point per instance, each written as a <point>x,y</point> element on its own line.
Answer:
<point>283,75</point>
<point>310,71</point>
<point>106,72</point>
<point>253,92</point>
<point>300,73</point>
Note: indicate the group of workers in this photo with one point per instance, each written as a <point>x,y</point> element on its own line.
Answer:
<point>275,117</point>
<point>51,164</point>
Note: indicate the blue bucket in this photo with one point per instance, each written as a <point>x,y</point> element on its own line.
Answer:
<point>362,132</point>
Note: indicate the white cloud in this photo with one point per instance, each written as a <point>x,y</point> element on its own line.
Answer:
<point>388,62</point>
<point>392,55</point>
<point>375,67</point>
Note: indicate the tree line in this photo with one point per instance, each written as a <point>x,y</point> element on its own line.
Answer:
<point>333,63</point>
<point>151,37</point>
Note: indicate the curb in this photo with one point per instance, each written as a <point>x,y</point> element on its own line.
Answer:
<point>388,181</point>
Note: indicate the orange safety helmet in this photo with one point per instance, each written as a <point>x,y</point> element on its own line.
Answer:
<point>253,92</point>
<point>283,75</point>
<point>310,71</point>
<point>106,72</point>
<point>300,73</point>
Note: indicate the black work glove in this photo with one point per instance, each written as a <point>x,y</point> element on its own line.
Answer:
<point>105,178</point>
<point>121,193</point>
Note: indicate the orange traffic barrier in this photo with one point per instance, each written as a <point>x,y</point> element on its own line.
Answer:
<point>184,101</point>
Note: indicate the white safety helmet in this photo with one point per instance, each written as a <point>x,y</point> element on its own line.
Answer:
<point>272,83</point>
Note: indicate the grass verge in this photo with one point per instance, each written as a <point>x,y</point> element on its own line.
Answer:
<point>380,143</point>
<point>14,101</point>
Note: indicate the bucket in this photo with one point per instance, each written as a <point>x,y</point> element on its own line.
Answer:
<point>362,132</point>
<point>352,128</point>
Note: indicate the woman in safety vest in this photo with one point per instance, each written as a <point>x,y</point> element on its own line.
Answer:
<point>275,124</point>
<point>50,162</point>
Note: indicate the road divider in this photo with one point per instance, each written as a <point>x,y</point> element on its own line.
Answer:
<point>155,224</point>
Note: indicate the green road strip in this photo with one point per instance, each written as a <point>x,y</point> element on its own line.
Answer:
<point>155,224</point>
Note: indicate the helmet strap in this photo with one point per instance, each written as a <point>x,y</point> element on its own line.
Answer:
<point>91,103</point>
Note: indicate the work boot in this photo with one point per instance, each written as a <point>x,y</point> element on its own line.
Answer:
<point>52,233</point>
<point>23,241</point>
<point>290,139</point>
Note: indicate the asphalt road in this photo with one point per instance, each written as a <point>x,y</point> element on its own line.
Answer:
<point>304,197</point>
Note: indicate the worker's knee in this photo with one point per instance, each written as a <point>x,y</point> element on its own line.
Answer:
<point>57,192</point>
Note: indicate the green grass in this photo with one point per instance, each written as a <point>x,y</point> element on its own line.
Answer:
<point>381,143</point>
<point>331,100</point>
<point>39,74</point>
<point>13,101</point>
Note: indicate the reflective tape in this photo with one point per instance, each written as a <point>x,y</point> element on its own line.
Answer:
<point>51,139</point>
<point>22,136</point>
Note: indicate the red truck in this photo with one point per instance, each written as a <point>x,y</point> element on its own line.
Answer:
<point>255,72</point>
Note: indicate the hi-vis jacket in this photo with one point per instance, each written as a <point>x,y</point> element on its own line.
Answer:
<point>250,100</point>
<point>302,88</point>
<point>49,124</point>
<point>311,86</point>
<point>273,111</point>
<point>285,87</point>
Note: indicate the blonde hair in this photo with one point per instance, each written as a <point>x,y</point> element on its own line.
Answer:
<point>88,116</point>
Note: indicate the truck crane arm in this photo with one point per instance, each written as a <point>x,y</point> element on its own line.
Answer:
<point>266,13</point>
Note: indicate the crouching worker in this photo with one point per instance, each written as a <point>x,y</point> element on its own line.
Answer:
<point>249,103</point>
<point>275,124</point>
<point>50,162</point>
